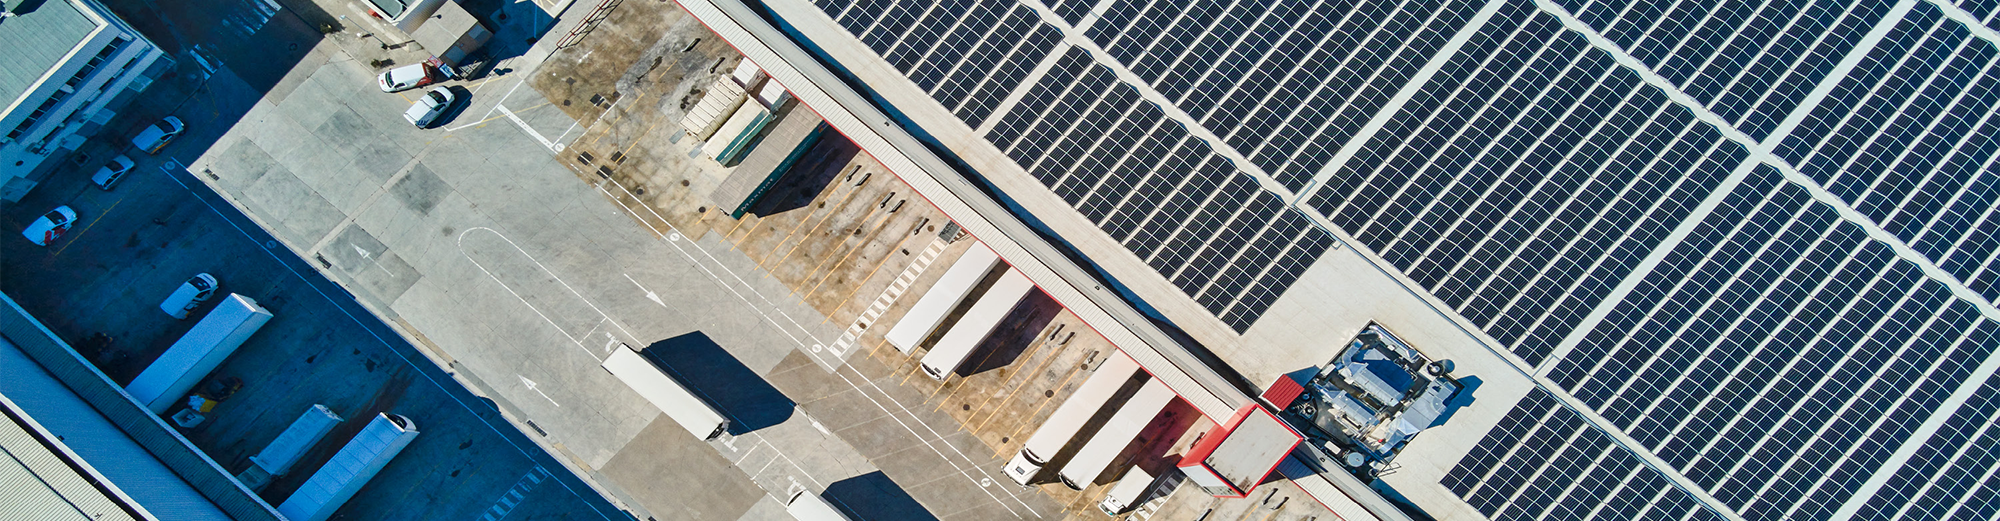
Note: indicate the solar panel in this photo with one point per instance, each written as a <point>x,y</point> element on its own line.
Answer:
<point>1747,344</point>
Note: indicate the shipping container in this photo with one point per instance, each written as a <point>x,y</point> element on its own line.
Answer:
<point>350,469</point>
<point>807,506</point>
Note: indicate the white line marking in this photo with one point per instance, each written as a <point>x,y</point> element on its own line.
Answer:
<point>552,276</point>
<point>525,128</point>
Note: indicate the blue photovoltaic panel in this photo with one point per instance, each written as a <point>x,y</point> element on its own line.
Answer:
<point>1910,144</point>
<point>1771,304</point>
<point>1517,202</point>
<point>1948,467</point>
<point>1751,63</point>
<point>1743,347</point>
<point>1986,10</point>
<point>1543,461</point>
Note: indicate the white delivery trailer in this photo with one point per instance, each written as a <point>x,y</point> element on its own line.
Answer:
<point>277,458</point>
<point>1103,447</point>
<point>1127,493</point>
<point>1064,425</point>
<point>807,506</point>
<point>950,289</point>
<point>972,328</point>
<point>695,415</point>
<point>345,473</point>
<point>171,376</point>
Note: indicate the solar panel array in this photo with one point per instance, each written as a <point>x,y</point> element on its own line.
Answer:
<point>1543,461</point>
<point>1952,475</point>
<point>1909,139</point>
<point>1749,62</point>
<point>1724,332</point>
<point>966,55</point>
<point>1777,356</point>
<point>1527,178</point>
<point>1284,82</point>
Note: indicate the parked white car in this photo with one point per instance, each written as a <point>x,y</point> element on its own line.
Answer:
<point>428,108</point>
<point>189,295</point>
<point>112,172</point>
<point>50,226</point>
<point>157,135</point>
<point>408,77</point>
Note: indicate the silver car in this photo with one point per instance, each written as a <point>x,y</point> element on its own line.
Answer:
<point>157,135</point>
<point>428,108</point>
<point>112,172</point>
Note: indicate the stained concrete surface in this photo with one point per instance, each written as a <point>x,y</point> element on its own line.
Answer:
<point>520,278</point>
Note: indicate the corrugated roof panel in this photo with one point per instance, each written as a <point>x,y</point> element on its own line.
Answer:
<point>37,41</point>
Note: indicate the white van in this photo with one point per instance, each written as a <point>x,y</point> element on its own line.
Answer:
<point>189,295</point>
<point>157,135</point>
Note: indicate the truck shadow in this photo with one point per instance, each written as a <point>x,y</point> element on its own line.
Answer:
<point>718,377</point>
<point>875,496</point>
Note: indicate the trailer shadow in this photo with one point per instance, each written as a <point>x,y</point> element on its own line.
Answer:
<point>875,496</point>
<point>1016,333</point>
<point>718,377</point>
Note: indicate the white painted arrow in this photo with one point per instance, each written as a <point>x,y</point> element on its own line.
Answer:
<point>531,387</point>
<point>650,295</point>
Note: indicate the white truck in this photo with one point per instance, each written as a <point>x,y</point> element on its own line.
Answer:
<point>1129,491</point>
<point>807,506</point>
<point>956,345</point>
<point>1095,456</point>
<point>943,296</point>
<point>198,352</point>
<point>693,413</point>
<point>277,458</point>
<point>1071,418</point>
<point>346,472</point>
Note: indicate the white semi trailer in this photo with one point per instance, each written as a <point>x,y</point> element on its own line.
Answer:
<point>1063,426</point>
<point>943,296</point>
<point>198,352</point>
<point>277,457</point>
<point>957,344</point>
<point>1095,456</point>
<point>690,411</point>
<point>351,468</point>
